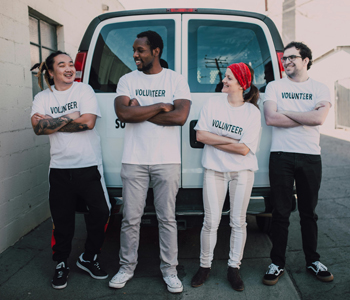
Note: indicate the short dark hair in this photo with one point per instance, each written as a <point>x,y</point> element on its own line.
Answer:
<point>304,51</point>
<point>154,40</point>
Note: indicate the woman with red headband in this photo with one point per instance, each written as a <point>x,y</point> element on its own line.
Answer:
<point>229,126</point>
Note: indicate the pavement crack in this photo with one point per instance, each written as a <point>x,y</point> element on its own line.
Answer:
<point>290,274</point>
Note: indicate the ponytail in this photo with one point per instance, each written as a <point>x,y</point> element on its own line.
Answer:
<point>252,96</point>
<point>43,68</point>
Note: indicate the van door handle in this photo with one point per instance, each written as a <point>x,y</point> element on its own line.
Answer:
<point>193,141</point>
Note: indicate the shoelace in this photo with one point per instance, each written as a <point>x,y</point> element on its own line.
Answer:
<point>97,265</point>
<point>120,275</point>
<point>60,265</point>
<point>173,279</point>
<point>320,266</point>
<point>272,269</point>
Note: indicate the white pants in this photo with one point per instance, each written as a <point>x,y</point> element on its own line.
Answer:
<point>215,185</point>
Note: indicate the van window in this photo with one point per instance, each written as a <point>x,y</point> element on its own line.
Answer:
<point>113,55</point>
<point>214,45</point>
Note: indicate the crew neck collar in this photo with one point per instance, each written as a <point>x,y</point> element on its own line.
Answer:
<point>62,92</point>
<point>152,75</point>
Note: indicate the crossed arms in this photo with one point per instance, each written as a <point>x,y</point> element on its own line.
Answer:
<point>164,114</point>
<point>222,143</point>
<point>288,119</point>
<point>73,122</point>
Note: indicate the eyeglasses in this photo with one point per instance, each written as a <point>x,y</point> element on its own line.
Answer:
<point>290,57</point>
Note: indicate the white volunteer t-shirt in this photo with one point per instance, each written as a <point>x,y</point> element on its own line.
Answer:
<point>300,97</point>
<point>242,123</point>
<point>146,143</point>
<point>70,150</point>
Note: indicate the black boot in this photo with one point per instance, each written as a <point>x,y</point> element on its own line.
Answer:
<point>200,277</point>
<point>235,279</point>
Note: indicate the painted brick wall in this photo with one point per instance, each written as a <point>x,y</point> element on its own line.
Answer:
<point>24,157</point>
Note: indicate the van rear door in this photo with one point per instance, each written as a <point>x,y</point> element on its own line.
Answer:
<point>210,44</point>
<point>110,56</point>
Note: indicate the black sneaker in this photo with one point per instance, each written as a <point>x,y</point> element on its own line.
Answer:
<point>92,267</point>
<point>320,271</point>
<point>200,277</point>
<point>272,275</point>
<point>59,280</point>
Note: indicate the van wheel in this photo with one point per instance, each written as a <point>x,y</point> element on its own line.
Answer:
<point>264,223</point>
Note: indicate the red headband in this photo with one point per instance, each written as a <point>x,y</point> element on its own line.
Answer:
<point>242,74</point>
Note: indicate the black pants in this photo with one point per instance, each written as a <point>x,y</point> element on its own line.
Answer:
<point>67,186</point>
<point>306,170</point>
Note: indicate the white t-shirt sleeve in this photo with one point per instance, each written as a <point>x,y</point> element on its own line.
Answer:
<point>123,87</point>
<point>270,93</point>
<point>251,135</point>
<point>88,101</point>
<point>182,90</point>
<point>38,106</point>
<point>202,123</point>
<point>323,94</point>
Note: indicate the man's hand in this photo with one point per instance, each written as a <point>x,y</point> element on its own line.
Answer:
<point>37,117</point>
<point>134,102</point>
<point>173,114</point>
<point>73,115</point>
<point>319,105</point>
<point>168,107</point>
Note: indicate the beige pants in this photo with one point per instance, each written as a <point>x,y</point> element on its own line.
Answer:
<point>165,182</point>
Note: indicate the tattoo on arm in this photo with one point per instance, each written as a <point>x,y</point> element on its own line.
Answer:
<point>50,124</point>
<point>74,127</point>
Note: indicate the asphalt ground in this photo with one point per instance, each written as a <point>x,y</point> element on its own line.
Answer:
<point>27,267</point>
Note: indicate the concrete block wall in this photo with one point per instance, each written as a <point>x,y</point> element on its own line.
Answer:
<point>24,157</point>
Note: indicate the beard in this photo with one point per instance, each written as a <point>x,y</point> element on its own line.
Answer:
<point>293,73</point>
<point>146,68</point>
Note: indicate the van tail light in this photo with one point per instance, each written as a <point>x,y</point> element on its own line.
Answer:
<point>280,65</point>
<point>79,65</point>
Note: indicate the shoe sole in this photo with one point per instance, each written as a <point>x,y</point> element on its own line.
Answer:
<point>87,270</point>
<point>175,290</point>
<point>239,290</point>
<point>118,285</point>
<point>272,282</point>
<point>323,279</point>
<point>59,287</point>
<point>196,285</point>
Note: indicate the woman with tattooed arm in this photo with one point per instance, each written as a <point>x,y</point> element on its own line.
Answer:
<point>67,112</point>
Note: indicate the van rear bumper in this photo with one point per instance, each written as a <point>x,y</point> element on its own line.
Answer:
<point>189,202</point>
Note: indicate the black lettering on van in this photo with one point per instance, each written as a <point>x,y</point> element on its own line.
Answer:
<point>119,124</point>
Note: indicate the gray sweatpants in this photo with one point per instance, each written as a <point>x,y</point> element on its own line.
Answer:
<point>136,179</point>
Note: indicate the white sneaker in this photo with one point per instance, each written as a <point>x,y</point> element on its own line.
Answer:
<point>119,280</point>
<point>174,284</point>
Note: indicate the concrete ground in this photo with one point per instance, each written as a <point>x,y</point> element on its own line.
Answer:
<point>27,268</point>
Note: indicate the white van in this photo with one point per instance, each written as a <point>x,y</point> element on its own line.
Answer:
<point>199,44</point>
